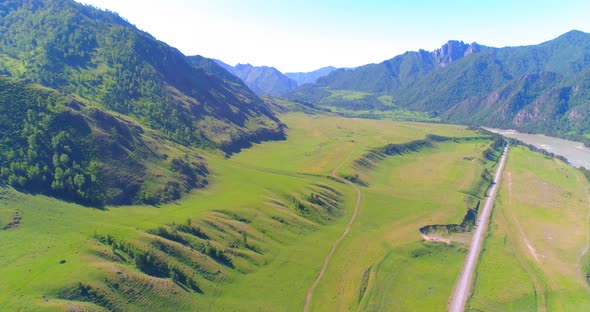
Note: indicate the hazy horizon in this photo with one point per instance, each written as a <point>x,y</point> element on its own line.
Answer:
<point>308,35</point>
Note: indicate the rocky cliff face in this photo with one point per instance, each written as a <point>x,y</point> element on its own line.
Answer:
<point>453,51</point>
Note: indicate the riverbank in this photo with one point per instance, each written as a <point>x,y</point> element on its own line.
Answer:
<point>575,152</point>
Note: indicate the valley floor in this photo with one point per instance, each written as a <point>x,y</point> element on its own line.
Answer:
<point>535,257</point>
<point>256,238</point>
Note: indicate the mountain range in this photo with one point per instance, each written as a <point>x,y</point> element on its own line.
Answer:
<point>537,88</point>
<point>265,80</point>
<point>310,77</point>
<point>97,111</point>
<point>262,79</point>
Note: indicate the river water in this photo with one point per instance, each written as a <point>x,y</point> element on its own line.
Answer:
<point>576,153</point>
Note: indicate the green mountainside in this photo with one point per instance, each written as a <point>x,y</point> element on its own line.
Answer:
<point>54,144</point>
<point>100,57</point>
<point>263,80</point>
<point>540,88</point>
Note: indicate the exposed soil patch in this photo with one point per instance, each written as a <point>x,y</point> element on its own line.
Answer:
<point>436,238</point>
<point>453,238</point>
<point>14,221</point>
<point>443,232</point>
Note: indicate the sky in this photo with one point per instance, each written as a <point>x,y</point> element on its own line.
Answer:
<point>304,35</point>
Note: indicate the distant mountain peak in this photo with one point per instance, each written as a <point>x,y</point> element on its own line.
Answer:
<point>574,32</point>
<point>574,35</point>
<point>453,51</point>
<point>246,65</point>
<point>311,77</point>
<point>261,79</point>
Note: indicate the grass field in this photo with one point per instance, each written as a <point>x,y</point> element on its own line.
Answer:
<point>368,105</point>
<point>393,114</point>
<point>539,229</point>
<point>405,193</point>
<point>272,214</point>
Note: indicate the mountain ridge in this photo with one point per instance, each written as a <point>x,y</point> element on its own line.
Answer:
<point>102,58</point>
<point>310,77</point>
<point>456,80</point>
<point>134,108</point>
<point>267,80</point>
<point>454,50</point>
<point>263,80</point>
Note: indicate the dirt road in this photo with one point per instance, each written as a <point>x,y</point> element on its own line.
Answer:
<point>463,287</point>
<point>338,241</point>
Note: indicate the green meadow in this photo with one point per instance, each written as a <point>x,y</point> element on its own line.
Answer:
<point>432,186</point>
<point>533,259</point>
<point>255,238</point>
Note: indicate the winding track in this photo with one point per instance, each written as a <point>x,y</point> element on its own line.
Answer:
<point>339,240</point>
<point>463,287</point>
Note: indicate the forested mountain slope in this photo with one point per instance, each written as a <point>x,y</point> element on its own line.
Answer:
<point>54,144</point>
<point>100,57</point>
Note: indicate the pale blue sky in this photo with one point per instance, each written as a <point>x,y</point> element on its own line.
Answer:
<point>308,34</point>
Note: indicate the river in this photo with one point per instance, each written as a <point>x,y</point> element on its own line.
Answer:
<point>575,152</point>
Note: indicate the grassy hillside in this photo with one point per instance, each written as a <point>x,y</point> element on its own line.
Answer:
<point>282,106</point>
<point>102,58</point>
<point>538,240</point>
<point>273,238</point>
